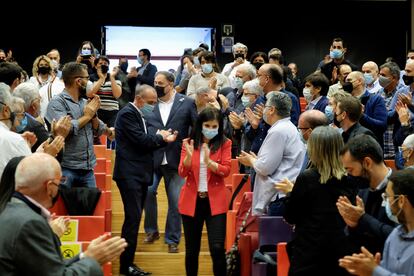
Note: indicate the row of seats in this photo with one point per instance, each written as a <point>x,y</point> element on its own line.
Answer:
<point>268,233</point>
<point>90,227</point>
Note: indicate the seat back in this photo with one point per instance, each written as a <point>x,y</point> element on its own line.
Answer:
<point>272,230</point>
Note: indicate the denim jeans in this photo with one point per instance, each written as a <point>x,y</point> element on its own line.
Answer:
<point>173,183</point>
<point>79,178</point>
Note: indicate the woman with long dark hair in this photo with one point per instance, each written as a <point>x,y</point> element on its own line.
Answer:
<point>205,162</point>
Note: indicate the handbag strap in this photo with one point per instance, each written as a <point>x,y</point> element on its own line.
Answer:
<point>238,189</point>
<point>243,225</point>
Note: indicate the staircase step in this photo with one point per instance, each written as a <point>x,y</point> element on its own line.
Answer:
<point>171,264</point>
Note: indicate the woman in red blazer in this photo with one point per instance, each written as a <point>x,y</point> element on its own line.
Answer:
<point>205,162</point>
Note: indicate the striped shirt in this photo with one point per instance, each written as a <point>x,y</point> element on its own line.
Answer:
<point>108,101</point>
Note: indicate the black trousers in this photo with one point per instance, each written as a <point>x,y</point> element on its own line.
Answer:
<point>216,232</point>
<point>133,200</point>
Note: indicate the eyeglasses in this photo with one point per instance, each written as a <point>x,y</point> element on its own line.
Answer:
<point>82,77</point>
<point>402,149</point>
<point>300,128</point>
<point>385,196</point>
<point>63,180</point>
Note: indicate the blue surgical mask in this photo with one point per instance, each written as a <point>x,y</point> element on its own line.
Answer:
<point>336,53</point>
<point>147,109</point>
<point>245,101</point>
<point>369,79</point>
<point>207,68</point>
<point>86,52</point>
<point>329,113</point>
<point>23,124</point>
<point>238,82</point>
<point>196,61</point>
<point>140,60</point>
<point>210,133</point>
<point>388,210</point>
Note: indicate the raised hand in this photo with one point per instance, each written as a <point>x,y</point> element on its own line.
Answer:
<point>235,120</point>
<point>62,126</point>
<point>284,186</point>
<point>30,138</point>
<point>206,150</point>
<point>252,118</point>
<point>92,107</point>
<point>105,249</point>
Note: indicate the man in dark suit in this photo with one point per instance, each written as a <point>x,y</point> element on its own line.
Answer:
<point>177,112</point>
<point>133,170</point>
<point>28,245</point>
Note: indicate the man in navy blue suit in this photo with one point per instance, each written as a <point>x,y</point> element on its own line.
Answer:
<point>133,170</point>
<point>177,112</point>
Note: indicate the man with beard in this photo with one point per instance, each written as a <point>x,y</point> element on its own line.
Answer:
<point>78,158</point>
<point>367,221</point>
<point>398,254</point>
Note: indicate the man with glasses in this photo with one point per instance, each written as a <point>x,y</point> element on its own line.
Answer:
<point>407,151</point>
<point>78,158</point>
<point>367,221</point>
<point>398,254</point>
<point>28,245</point>
<point>11,143</point>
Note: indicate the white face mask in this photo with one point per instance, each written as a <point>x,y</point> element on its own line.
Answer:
<point>307,94</point>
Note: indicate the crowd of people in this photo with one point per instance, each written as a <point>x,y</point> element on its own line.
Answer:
<point>322,168</point>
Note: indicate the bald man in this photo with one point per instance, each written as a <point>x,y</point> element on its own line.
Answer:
<point>371,75</point>
<point>308,121</point>
<point>28,245</point>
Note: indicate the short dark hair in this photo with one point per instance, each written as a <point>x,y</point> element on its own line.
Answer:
<point>275,73</point>
<point>403,183</point>
<point>259,54</point>
<point>208,114</point>
<point>362,146</point>
<point>9,72</point>
<point>71,70</point>
<point>319,79</point>
<point>101,58</point>
<point>339,39</point>
<point>168,75</point>
<point>204,45</point>
<point>352,106</point>
<point>146,53</point>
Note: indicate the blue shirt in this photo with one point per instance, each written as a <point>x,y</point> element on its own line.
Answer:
<point>398,255</point>
<point>78,152</point>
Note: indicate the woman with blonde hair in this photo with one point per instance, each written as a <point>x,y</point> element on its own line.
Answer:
<point>42,71</point>
<point>311,206</point>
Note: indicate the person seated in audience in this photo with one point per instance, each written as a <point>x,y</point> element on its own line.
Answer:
<point>205,162</point>
<point>398,254</point>
<point>27,243</point>
<point>311,206</point>
<point>407,151</point>
<point>367,222</point>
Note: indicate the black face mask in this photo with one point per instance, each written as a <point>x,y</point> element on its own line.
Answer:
<point>82,92</point>
<point>236,56</point>
<point>408,80</point>
<point>336,122</point>
<point>55,198</point>
<point>347,87</point>
<point>44,70</point>
<point>258,65</point>
<point>124,67</point>
<point>2,60</point>
<point>160,91</point>
<point>104,68</point>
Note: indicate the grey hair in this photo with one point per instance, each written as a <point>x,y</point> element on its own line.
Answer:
<point>203,90</point>
<point>281,102</point>
<point>15,103</point>
<point>140,88</point>
<point>409,141</point>
<point>34,170</point>
<point>249,69</point>
<point>5,96</point>
<point>253,87</point>
<point>274,51</point>
<point>239,45</point>
<point>393,67</point>
<point>28,92</point>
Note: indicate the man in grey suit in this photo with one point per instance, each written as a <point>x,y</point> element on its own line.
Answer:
<point>28,245</point>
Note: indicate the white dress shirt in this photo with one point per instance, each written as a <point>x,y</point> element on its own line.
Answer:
<point>165,110</point>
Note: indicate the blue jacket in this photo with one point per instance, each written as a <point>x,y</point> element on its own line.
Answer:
<point>182,118</point>
<point>375,115</point>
